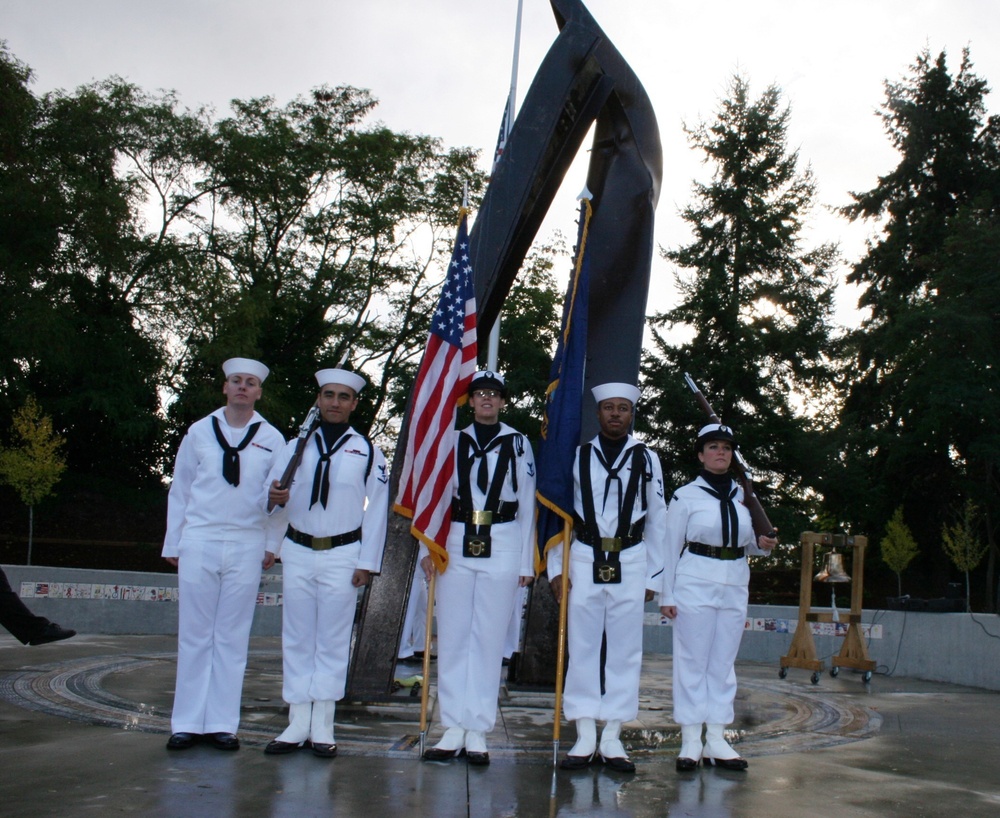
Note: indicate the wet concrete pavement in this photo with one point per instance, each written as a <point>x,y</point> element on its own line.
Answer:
<point>83,727</point>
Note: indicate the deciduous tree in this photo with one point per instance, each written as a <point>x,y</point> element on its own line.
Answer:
<point>34,464</point>
<point>898,546</point>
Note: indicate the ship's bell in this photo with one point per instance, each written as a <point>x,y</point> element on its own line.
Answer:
<point>833,569</point>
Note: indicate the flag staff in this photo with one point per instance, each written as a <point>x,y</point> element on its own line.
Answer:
<point>561,648</point>
<point>493,347</point>
<point>424,688</point>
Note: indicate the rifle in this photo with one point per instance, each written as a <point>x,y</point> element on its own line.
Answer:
<point>761,525</point>
<point>306,429</point>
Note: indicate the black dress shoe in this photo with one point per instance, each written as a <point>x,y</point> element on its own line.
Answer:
<point>278,748</point>
<point>726,763</point>
<point>619,764</point>
<point>223,741</point>
<point>686,765</point>
<point>478,759</point>
<point>324,750</point>
<point>181,741</point>
<point>437,754</point>
<point>577,762</point>
<point>52,633</point>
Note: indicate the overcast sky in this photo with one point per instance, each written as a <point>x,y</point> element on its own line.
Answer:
<point>443,68</point>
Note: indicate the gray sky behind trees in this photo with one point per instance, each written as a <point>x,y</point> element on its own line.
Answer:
<point>442,67</point>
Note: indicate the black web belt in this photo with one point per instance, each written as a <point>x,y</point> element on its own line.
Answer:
<point>506,513</point>
<point>322,543</point>
<point>609,544</point>
<point>715,552</point>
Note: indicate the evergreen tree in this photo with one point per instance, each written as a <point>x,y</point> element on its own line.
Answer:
<point>755,309</point>
<point>921,385</point>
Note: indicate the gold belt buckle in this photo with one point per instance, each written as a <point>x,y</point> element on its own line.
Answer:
<point>482,518</point>
<point>476,547</point>
<point>606,573</point>
<point>611,544</point>
<point>322,543</point>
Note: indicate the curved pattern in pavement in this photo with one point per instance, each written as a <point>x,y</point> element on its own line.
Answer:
<point>770,718</point>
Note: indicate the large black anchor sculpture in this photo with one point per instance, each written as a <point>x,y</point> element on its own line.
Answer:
<point>582,80</point>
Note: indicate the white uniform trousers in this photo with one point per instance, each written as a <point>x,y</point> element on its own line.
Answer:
<point>593,610</point>
<point>475,598</point>
<point>318,609</point>
<point>218,583</point>
<point>707,634</point>
<point>512,642</point>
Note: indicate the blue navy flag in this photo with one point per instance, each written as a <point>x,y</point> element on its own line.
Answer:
<point>506,123</point>
<point>563,405</point>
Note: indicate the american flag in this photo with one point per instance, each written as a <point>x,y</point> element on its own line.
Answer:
<point>443,379</point>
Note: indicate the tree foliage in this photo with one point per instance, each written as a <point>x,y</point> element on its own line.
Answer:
<point>962,542</point>
<point>921,383</point>
<point>33,466</point>
<point>898,546</point>
<point>755,307</point>
<point>142,243</point>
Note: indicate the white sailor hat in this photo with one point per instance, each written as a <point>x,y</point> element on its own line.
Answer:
<point>714,431</point>
<point>342,376</point>
<point>486,379</point>
<point>245,366</point>
<point>616,390</point>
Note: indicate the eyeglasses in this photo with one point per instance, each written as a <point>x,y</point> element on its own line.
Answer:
<point>486,393</point>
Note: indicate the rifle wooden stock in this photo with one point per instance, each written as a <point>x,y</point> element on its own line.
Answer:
<point>307,427</point>
<point>761,525</point>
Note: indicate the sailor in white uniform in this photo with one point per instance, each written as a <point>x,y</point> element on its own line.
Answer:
<point>219,537</point>
<point>336,510</point>
<point>490,554</point>
<point>615,561</point>
<point>704,590</point>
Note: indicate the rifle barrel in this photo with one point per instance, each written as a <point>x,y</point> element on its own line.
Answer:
<point>761,524</point>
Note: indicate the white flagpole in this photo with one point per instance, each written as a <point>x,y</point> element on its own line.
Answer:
<point>513,69</point>
<point>493,349</point>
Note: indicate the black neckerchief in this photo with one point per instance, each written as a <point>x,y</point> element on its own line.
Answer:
<point>333,435</point>
<point>485,434</point>
<point>724,490</point>
<point>609,452</point>
<point>231,454</point>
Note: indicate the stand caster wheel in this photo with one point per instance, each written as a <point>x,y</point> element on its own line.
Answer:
<point>866,676</point>
<point>782,673</point>
<point>834,671</point>
<point>815,677</point>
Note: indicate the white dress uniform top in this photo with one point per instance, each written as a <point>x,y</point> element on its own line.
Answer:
<point>612,608</point>
<point>319,600</point>
<point>475,595</point>
<point>711,599</point>
<point>219,533</point>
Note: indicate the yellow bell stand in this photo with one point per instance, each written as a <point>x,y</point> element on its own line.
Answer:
<point>853,653</point>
